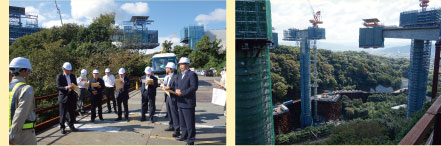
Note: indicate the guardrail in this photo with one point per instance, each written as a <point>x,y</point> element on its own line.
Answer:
<point>422,128</point>
<point>46,124</point>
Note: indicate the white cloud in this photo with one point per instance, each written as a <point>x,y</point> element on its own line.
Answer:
<point>57,22</point>
<point>174,40</point>
<point>342,19</point>
<point>138,8</point>
<point>218,15</point>
<point>33,11</point>
<point>82,10</point>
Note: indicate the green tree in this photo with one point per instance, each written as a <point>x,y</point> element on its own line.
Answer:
<point>167,46</point>
<point>108,20</point>
<point>279,88</point>
<point>198,59</point>
<point>181,51</point>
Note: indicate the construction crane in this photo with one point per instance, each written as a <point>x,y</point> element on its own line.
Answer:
<point>59,13</point>
<point>315,21</point>
<point>424,4</point>
<point>171,38</point>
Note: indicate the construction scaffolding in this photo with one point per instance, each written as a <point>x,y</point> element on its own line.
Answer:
<point>253,19</point>
<point>306,37</point>
<point>418,25</point>
<point>371,37</point>
<point>418,74</point>
<point>275,40</point>
<point>20,23</point>
<point>136,35</point>
<point>191,35</point>
<point>420,18</point>
<point>254,116</point>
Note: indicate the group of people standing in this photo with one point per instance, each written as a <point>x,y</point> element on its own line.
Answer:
<point>180,104</point>
<point>68,99</point>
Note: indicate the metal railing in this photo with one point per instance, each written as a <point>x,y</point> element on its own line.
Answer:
<point>422,128</point>
<point>54,120</point>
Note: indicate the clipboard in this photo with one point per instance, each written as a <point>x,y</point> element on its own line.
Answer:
<point>149,82</point>
<point>95,84</point>
<point>75,88</point>
<point>119,84</point>
<point>168,91</point>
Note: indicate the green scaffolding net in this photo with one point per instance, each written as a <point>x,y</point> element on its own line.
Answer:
<point>254,117</point>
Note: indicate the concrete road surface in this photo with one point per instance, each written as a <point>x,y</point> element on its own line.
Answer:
<point>210,124</point>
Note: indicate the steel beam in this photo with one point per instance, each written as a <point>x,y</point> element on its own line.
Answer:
<point>431,33</point>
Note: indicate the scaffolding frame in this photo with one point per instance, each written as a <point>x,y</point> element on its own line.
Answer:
<point>136,34</point>
<point>18,28</point>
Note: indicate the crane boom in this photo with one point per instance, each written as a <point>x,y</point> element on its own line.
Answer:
<point>59,13</point>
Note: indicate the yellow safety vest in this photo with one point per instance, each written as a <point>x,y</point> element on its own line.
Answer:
<point>27,124</point>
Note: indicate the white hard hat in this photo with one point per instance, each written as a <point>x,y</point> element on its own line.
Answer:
<point>184,60</point>
<point>107,70</point>
<point>67,66</point>
<point>95,71</point>
<point>122,71</point>
<point>148,70</point>
<point>84,71</point>
<point>171,65</point>
<point>20,62</point>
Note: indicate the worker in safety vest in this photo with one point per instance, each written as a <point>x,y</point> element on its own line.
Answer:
<point>22,115</point>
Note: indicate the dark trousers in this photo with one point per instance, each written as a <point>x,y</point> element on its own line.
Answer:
<point>187,123</point>
<point>110,95</point>
<point>126,107</point>
<point>96,102</point>
<point>67,111</point>
<point>173,115</point>
<point>148,101</point>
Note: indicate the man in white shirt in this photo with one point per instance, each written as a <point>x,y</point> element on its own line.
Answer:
<point>81,80</point>
<point>109,82</point>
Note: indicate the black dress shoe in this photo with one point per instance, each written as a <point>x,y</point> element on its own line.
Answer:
<point>127,119</point>
<point>190,143</point>
<point>169,129</point>
<point>176,134</point>
<point>180,138</point>
<point>73,129</point>
<point>101,118</point>
<point>118,119</point>
<point>143,119</point>
<point>63,131</point>
<point>92,120</point>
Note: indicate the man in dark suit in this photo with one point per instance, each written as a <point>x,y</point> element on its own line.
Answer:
<point>186,86</point>
<point>148,94</point>
<point>96,96</point>
<point>171,101</point>
<point>66,97</point>
<point>122,95</point>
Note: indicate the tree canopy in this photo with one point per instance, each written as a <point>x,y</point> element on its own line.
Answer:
<point>336,71</point>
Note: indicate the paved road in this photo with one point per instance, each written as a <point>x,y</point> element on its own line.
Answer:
<point>210,124</point>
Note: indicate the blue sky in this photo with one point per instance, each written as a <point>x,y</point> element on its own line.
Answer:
<point>169,16</point>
